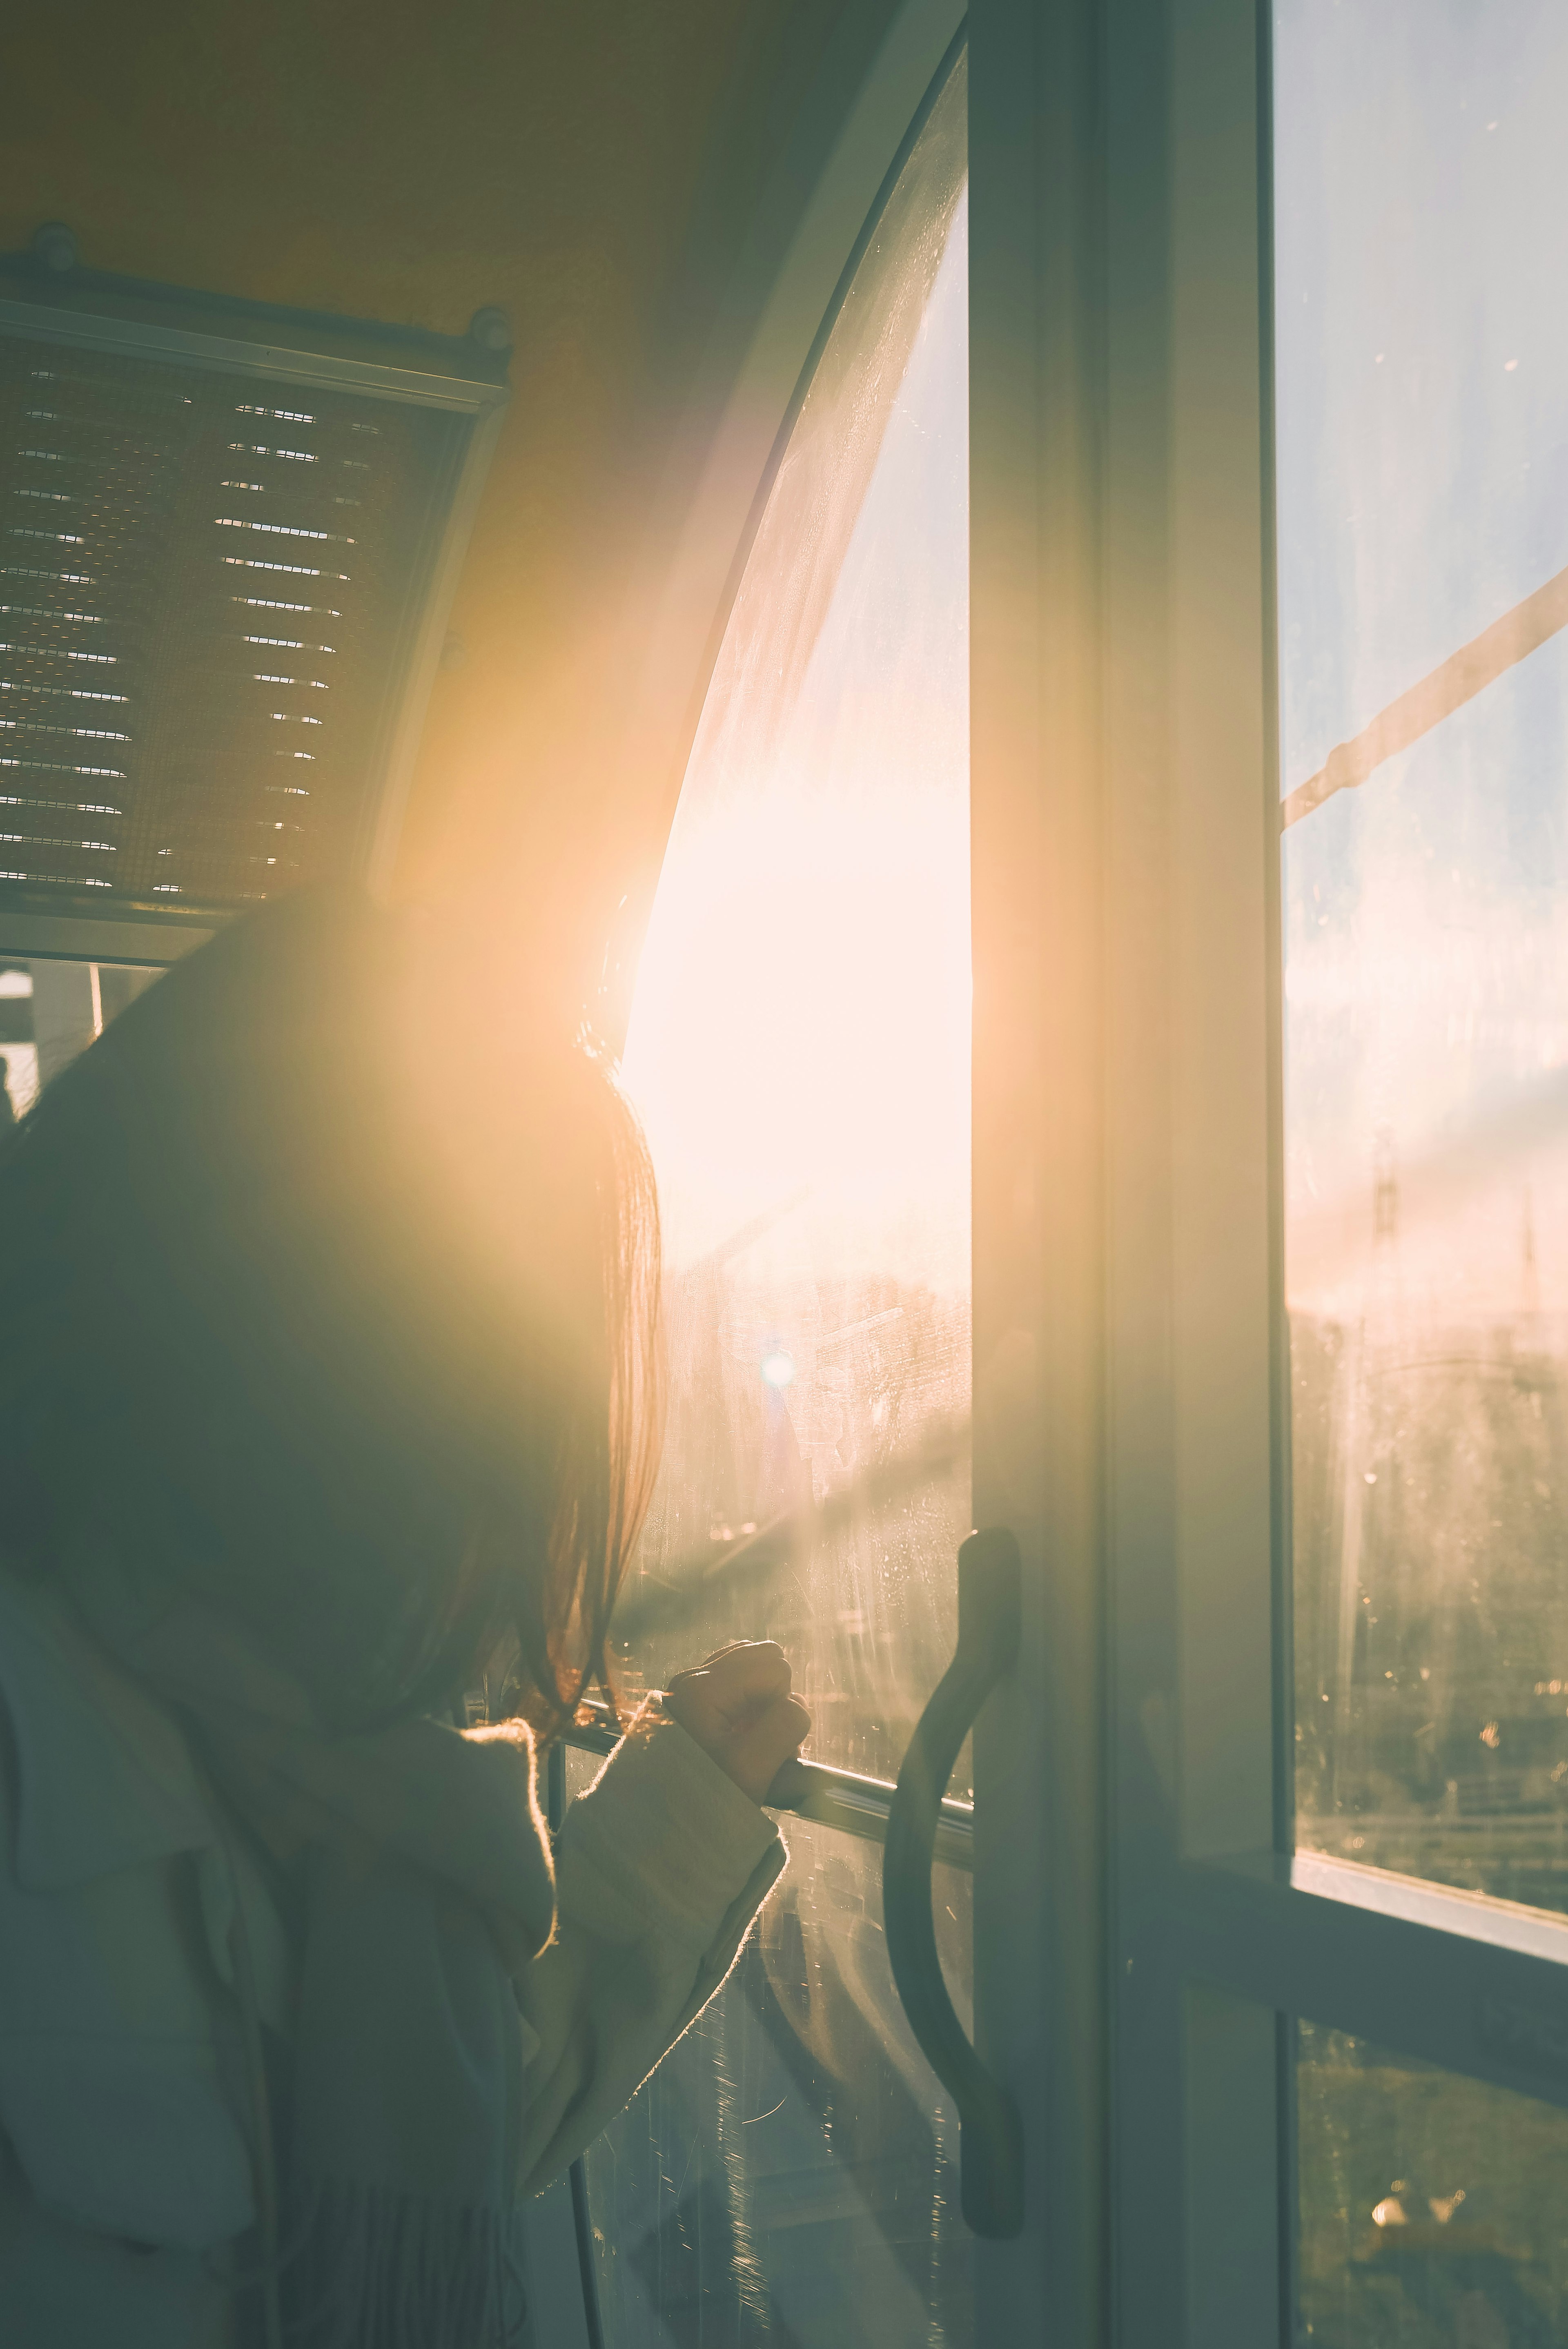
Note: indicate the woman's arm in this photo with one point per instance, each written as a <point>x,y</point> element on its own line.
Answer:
<point>661,1868</point>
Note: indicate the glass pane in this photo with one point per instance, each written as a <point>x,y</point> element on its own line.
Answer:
<point>791,2173</point>
<point>800,1050</point>
<point>799,1038</point>
<point>1432,2211</point>
<point>1423,531</point>
<point>50,1011</point>
<point>18,1046</point>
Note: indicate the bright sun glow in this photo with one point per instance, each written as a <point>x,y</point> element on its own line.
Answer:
<point>801,1022</point>
<point>803,1011</point>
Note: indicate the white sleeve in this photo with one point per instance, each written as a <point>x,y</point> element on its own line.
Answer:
<point>662,1866</point>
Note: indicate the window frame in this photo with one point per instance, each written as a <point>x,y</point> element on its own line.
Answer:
<point>1127,868</point>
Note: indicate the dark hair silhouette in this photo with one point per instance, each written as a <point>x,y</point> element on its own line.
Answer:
<point>372,1366</point>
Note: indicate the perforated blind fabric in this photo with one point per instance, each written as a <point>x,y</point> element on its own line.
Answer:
<point>205,587</point>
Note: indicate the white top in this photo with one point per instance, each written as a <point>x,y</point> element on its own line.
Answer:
<point>126,2158</point>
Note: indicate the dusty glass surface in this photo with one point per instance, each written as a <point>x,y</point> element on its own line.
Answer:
<point>1422,384</point>
<point>789,2175</point>
<point>800,1051</point>
<point>1433,2214</point>
<point>799,1039</point>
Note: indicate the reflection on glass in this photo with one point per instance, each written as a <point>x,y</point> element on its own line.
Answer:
<point>789,2175</point>
<point>1422,371</point>
<point>1432,2211</point>
<point>800,1051</point>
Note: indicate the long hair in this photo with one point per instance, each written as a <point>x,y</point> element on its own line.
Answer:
<point>328,1290</point>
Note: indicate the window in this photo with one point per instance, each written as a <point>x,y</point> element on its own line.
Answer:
<point>1421,379</point>
<point>1267,373</point>
<point>50,1011</point>
<point>1426,873</point>
<point>800,1051</point>
<point>1432,2205</point>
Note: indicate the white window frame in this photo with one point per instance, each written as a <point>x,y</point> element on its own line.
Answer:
<point>1131,1399</point>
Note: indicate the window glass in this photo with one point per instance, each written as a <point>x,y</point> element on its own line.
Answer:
<point>18,1049</point>
<point>798,1046</point>
<point>789,2175</point>
<point>50,1011</point>
<point>800,1051</point>
<point>1433,2215</point>
<point>1423,385</point>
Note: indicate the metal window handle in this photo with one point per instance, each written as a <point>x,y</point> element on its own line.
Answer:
<point>990,2133</point>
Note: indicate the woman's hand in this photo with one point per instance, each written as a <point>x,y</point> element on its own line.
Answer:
<point>739,1708</point>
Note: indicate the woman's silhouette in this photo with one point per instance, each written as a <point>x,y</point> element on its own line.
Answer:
<point>329,1410</point>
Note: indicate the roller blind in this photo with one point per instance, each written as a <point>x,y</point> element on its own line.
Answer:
<point>213,583</point>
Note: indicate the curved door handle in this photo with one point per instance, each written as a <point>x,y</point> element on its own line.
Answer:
<point>991,2135</point>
